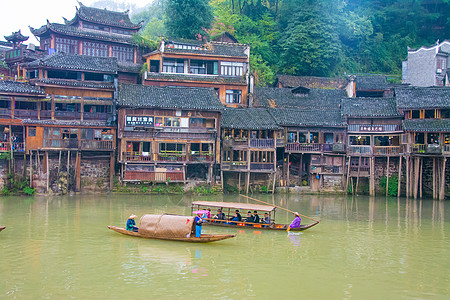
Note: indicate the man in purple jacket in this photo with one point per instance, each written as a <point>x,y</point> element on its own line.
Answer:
<point>296,222</point>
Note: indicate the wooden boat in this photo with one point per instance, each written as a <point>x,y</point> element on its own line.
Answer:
<point>2,227</point>
<point>205,238</point>
<point>230,207</point>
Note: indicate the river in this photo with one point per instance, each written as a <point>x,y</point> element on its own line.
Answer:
<point>364,248</point>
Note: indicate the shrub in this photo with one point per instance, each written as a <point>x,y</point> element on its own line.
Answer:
<point>393,185</point>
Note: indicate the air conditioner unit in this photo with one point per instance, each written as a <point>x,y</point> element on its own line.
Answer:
<point>438,71</point>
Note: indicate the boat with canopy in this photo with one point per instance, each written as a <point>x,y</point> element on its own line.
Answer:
<point>228,208</point>
<point>170,227</point>
<point>2,227</point>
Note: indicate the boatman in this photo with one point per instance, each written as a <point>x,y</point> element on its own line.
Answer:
<point>296,222</point>
<point>131,224</point>
<point>198,225</point>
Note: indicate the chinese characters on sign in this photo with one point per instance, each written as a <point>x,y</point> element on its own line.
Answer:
<point>371,128</point>
<point>145,121</point>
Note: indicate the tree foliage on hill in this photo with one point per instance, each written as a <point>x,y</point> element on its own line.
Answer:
<point>312,37</point>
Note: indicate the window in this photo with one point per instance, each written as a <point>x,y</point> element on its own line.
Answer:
<point>359,140</point>
<point>201,122</point>
<point>233,96</point>
<point>173,66</point>
<point>231,68</point>
<point>66,45</point>
<point>123,53</point>
<point>261,157</point>
<point>171,147</point>
<point>429,114</point>
<point>204,67</point>
<point>292,137</point>
<point>95,49</point>
<point>31,131</point>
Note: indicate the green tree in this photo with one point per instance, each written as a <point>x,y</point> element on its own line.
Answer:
<point>187,18</point>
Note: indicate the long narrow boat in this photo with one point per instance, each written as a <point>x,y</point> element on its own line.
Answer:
<point>205,238</point>
<point>170,228</point>
<point>243,207</point>
<point>2,227</point>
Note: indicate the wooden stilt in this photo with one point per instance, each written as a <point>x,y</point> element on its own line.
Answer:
<point>372,176</point>
<point>221,179</point>
<point>348,173</point>
<point>78,172</point>
<point>421,178</point>
<point>273,184</point>
<point>387,177</point>
<point>68,168</point>
<point>300,170</point>
<point>248,182</point>
<point>59,166</point>
<point>407,176</point>
<point>434,178</point>
<point>31,168</point>
<point>399,188</point>
<point>357,177</point>
<point>288,169</point>
<point>47,171</point>
<point>416,177</point>
<point>239,182</point>
<point>442,188</point>
<point>351,181</point>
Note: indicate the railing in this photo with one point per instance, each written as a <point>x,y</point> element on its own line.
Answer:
<point>234,165</point>
<point>261,166</point>
<point>339,147</point>
<point>67,114</point>
<point>25,113</point>
<point>363,170</point>
<point>171,156</point>
<point>61,143</point>
<point>262,143</point>
<point>359,150</point>
<point>280,142</point>
<point>16,147</point>
<point>96,145</point>
<point>326,169</point>
<point>297,147</point>
<point>233,142</point>
<point>153,176</point>
<point>5,113</point>
<point>386,150</point>
<point>96,116</point>
<point>136,156</point>
<point>446,150</point>
<point>425,149</point>
<point>46,114</point>
<point>201,156</point>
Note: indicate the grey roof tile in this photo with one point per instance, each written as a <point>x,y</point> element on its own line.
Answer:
<point>371,82</point>
<point>369,107</point>
<point>15,87</point>
<point>107,17</point>
<point>427,125</point>
<point>74,123</point>
<point>290,81</point>
<point>300,117</point>
<point>75,83</point>
<point>422,97</point>
<point>76,62</point>
<point>210,48</point>
<point>134,95</point>
<point>248,118</point>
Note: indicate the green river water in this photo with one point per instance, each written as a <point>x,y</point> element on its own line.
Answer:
<point>364,248</point>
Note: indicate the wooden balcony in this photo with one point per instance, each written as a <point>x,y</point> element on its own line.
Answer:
<point>71,115</point>
<point>96,116</point>
<point>431,149</point>
<point>262,143</point>
<point>262,167</point>
<point>136,156</point>
<point>25,114</point>
<point>201,156</point>
<point>359,150</point>
<point>303,148</point>
<point>153,176</point>
<point>171,156</point>
<point>326,170</point>
<point>363,171</point>
<point>5,113</point>
<point>446,150</point>
<point>387,150</point>
<point>16,147</point>
<point>234,166</point>
<point>78,144</point>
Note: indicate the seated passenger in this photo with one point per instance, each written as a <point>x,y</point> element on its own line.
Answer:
<point>131,224</point>
<point>220,215</point>
<point>249,218</point>
<point>266,219</point>
<point>255,217</point>
<point>236,218</point>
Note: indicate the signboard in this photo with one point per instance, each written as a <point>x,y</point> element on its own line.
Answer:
<point>145,121</point>
<point>371,128</point>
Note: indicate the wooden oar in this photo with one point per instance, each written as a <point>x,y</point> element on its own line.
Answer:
<point>278,207</point>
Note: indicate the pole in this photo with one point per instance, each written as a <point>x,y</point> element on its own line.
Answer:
<point>399,176</point>
<point>387,177</point>
<point>278,207</point>
<point>442,189</point>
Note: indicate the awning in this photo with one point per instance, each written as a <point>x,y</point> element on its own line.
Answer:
<point>235,205</point>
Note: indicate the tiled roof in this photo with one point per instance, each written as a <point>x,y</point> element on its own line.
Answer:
<point>369,107</point>
<point>289,81</point>
<point>83,123</point>
<point>300,117</point>
<point>83,33</point>
<point>75,83</point>
<point>134,95</point>
<point>371,82</point>
<point>124,66</point>
<point>427,125</point>
<point>209,48</point>
<point>16,37</point>
<point>311,99</point>
<point>14,87</point>
<point>422,97</point>
<point>67,61</point>
<point>248,118</point>
<point>107,17</point>
<point>196,78</point>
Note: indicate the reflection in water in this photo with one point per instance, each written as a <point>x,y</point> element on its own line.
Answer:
<point>294,238</point>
